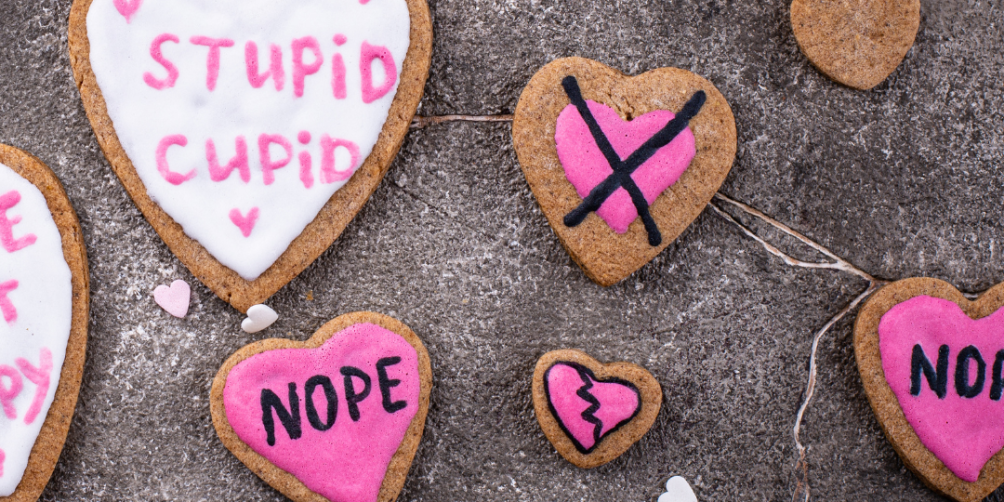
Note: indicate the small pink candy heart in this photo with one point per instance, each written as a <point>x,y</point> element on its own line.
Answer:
<point>245,223</point>
<point>589,409</point>
<point>127,8</point>
<point>174,299</point>
<point>585,166</point>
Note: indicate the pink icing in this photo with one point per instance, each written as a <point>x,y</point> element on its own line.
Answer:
<point>306,177</point>
<point>338,87</point>
<point>340,39</point>
<point>8,201</point>
<point>38,376</point>
<point>265,141</point>
<point>618,402</point>
<point>301,70</point>
<point>163,167</point>
<point>213,58</point>
<point>367,54</point>
<point>245,223</point>
<point>962,432</point>
<point>8,393</point>
<point>127,8</point>
<point>2,458</point>
<point>328,146</point>
<point>348,460</point>
<point>274,69</point>
<point>585,166</point>
<point>158,56</point>
<point>6,306</point>
<point>303,137</point>
<point>239,161</point>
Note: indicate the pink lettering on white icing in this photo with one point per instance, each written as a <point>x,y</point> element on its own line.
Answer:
<point>127,8</point>
<point>239,161</point>
<point>213,58</point>
<point>301,70</point>
<point>7,201</point>
<point>38,376</point>
<point>367,54</point>
<point>265,141</point>
<point>2,458</point>
<point>7,394</point>
<point>245,223</point>
<point>338,87</point>
<point>274,69</point>
<point>340,39</point>
<point>162,166</point>
<point>6,306</point>
<point>158,56</point>
<point>328,172</point>
<point>306,176</point>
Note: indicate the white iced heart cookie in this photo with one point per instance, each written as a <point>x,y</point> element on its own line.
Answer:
<point>249,132</point>
<point>678,490</point>
<point>259,318</point>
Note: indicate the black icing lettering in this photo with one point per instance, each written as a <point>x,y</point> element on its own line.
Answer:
<point>290,418</point>
<point>330,396</point>
<point>351,396</point>
<point>998,381</point>
<point>962,386</point>
<point>386,384</point>
<point>937,380</point>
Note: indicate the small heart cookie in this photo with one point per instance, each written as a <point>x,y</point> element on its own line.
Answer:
<point>855,42</point>
<point>338,417</point>
<point>44,302</point>
<point>259,318</point>
<point>621,165</point>
<point>931,364</point>
<point>174,299</point>
<point>592,412</point>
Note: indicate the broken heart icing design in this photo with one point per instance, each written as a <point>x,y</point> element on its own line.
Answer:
<point>589,409</point>
<point>36,301</point>
<point>333,416</point>
<point>243,117</point>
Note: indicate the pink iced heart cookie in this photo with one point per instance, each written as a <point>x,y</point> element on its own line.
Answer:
<point>339,416</point>
<point>933,367</point>
<point>593,412</point>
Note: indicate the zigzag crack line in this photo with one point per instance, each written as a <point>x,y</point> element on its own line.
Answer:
<point>420,122</point>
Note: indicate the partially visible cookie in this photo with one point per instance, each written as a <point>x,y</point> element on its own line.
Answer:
<point>593,412</point>
<point>855,42</point>
<point>44,302</point>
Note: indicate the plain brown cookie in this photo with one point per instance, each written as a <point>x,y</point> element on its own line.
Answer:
<point>51,438</point>
<point>285,482</point>
<point>890,416</point>
<point>329,222</point>
<point>855,42</point>
<point>604,255</point>
<point>616,442</point>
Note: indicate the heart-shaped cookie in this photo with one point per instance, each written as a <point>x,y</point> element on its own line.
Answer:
<point>250,132</point>
<point>931,363</point>
<point>338,417</point>
<point>855,42</point>
<point>592,412</point>
<point>621,165</point>
<point>44,301</point>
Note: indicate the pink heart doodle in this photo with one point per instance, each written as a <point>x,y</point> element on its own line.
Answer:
<point>245,223</point>
<point>333,416</point>
<point>127,8</point>
<point>586,167</point>
<point>945,370</point>
<point>586,408</point>
<point>174,299</point>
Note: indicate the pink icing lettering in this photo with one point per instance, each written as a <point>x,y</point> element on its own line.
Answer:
<point>328,146</point>
<point>7,201</point>
<point>303,137</point>
<point>158,56</point>
<point>300,70</point>
<point>7,394</point>
<point>239,161</point>
<point>127,8</point>
<point>306,176</point>
<point>163,168</point>
<point>38,376</point>
<point>340,39</point>
<point>368,53</point>
<point>265,141</point>
<point>213,58</point>
<point>6,306</point>
<point>588,409</point>
<point>274,69</point>
<point>245,223</point>
<point>338,77</point>
<point>2,458</point>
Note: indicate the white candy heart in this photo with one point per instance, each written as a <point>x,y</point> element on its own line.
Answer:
<point>678,490</point>
<point>259,318</point>
<point>174,298</point>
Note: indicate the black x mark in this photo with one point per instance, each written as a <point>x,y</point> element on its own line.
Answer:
<point>621,177</point>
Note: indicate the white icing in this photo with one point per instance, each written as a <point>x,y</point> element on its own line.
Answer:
<point>44,303</point>
<point>142,116</point>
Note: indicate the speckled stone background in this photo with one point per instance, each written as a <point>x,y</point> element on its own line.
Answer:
<point>904,180</point>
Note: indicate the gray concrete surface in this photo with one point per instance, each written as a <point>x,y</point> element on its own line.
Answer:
<point>901,181</point>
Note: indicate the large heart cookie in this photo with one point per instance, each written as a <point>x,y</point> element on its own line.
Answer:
<point>931,363</point>
<point>855,42</point>
<point>591,412</point>
<point>44,298</point>
<point>621,165</point>
<point>338,417</point>
<point>250,132</point>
